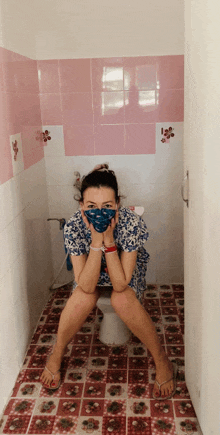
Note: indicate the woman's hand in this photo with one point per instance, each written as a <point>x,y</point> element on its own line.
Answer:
<point>97,238</point>
<point>108,234</point>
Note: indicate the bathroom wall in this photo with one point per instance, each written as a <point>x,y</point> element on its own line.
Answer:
<point>117,110</point>
<point>60,35</point>
<point>25,255</point>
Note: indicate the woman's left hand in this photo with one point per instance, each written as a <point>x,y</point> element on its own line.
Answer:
<point>108,234</point>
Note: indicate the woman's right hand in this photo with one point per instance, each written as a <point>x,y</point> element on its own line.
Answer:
<point>97,238</point>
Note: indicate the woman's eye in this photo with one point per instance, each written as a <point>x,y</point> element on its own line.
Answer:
<point>91,206</point>
<point>108,205</point>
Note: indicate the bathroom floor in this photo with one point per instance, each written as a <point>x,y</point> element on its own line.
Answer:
<point>105,389</point>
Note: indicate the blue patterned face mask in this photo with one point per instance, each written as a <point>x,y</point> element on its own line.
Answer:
<point>100,219</point>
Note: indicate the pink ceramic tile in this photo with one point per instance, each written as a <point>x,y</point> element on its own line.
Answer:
<point>48,76</point>
<point>108,107</point>
<point>140,139</point>
<point>51,109</point>
<point>107,74</point>
<point>75,75</point>
<point>140,72</point>
<point>21,76</point>
<point>78,140</point>
<point>171,72</point>
<point>171,106</point>
<point>140,106</point>
<point>32,148</point>
<point>2,86</point>
<point>77,108</point>
<point>109,140</point>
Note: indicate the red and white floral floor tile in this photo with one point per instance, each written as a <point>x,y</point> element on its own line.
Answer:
<point>105,389</point>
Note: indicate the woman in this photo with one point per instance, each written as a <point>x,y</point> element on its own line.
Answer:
<point>105,242</point>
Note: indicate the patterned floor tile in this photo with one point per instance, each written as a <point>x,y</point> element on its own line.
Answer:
<point>92,407</point>
<point>104,389</point>
<point>89,425</point>
<point>68,407</point>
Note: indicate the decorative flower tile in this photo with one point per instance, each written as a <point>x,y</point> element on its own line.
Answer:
<point>178,295</point>
<point>138,377</point>
<point>115,425</point>
<point>82,339</point>
<point>71,390</point>
<point>69,407</point>
<point>118,351</point>
<point>187,426</point>
<point>184,408</point>
<point>178,287</point>
<point>92,407</point>
<point>172,329</point>
<point>139,425</point>
<point>45,406</point>
<point>65,425</point>
<point>181,391</point>
<point>98,363</point>
<point>170,319</point>
<point>43,350</point>
<point>137,350</point>
<point>162,425</point>
<point>77,375</point>
<point>96,376</point>
<point>89,425</point>
<point>41,424</point>
<point>45,392</point>
<point>87,329</point>
<point>175,351</point>
<point>174,339</point>
<point>166,302</point>
<point>161,408</point>
<point>78,362</point>
<point>29,389</point>
<point>115,407</point>
<point>20,407</point>
<point>96,339</point>
<point>45,339</point>
<point>16,424</point>
<point>169,311</point>
<point>117,376</point>
<point>138,407</point>
<point>138,363</point>
<point>165,287</point>
<point>138,391</point>
<point>94,390</point>
<point>135,340</point>
<point>49,329</point>
<point>116,391</point>
<point>80,351</point>
<point>117,363</point>
<point>37,361</point>
<point>102,350</point>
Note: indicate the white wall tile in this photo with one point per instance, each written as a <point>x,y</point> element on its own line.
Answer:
<point>54,146</point>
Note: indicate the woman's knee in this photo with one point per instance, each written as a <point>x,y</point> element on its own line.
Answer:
<point>85,298</point>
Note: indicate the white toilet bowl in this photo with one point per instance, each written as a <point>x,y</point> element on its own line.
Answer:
<point>113,330</point>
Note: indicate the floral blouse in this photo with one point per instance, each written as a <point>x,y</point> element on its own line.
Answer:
<point>130,234</point>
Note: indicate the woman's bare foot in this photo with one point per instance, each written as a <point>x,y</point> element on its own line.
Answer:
<point>164,371</point>
<point>53,365</point>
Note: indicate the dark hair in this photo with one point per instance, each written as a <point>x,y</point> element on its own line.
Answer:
<point>101,177</point>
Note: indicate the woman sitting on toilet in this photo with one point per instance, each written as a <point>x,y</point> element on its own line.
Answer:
<point>105,242</point>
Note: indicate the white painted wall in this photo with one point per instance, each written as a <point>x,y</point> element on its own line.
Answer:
<point>55,29</point>
<point>25,267</point>
<point>202,230</point>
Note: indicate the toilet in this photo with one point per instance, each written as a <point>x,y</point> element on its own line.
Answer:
<point>113,330</point>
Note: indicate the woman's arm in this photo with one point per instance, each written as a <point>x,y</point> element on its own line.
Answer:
<point>87,267</point>
<point>121,269</point>
<point>87,270</point>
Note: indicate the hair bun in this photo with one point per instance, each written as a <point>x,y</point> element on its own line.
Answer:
<point>101,167</point>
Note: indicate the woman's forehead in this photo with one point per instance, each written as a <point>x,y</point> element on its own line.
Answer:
<point>99,194</point>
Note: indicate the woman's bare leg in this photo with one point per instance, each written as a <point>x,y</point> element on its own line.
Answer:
<point>74,314</point>
<point>139,322</point>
